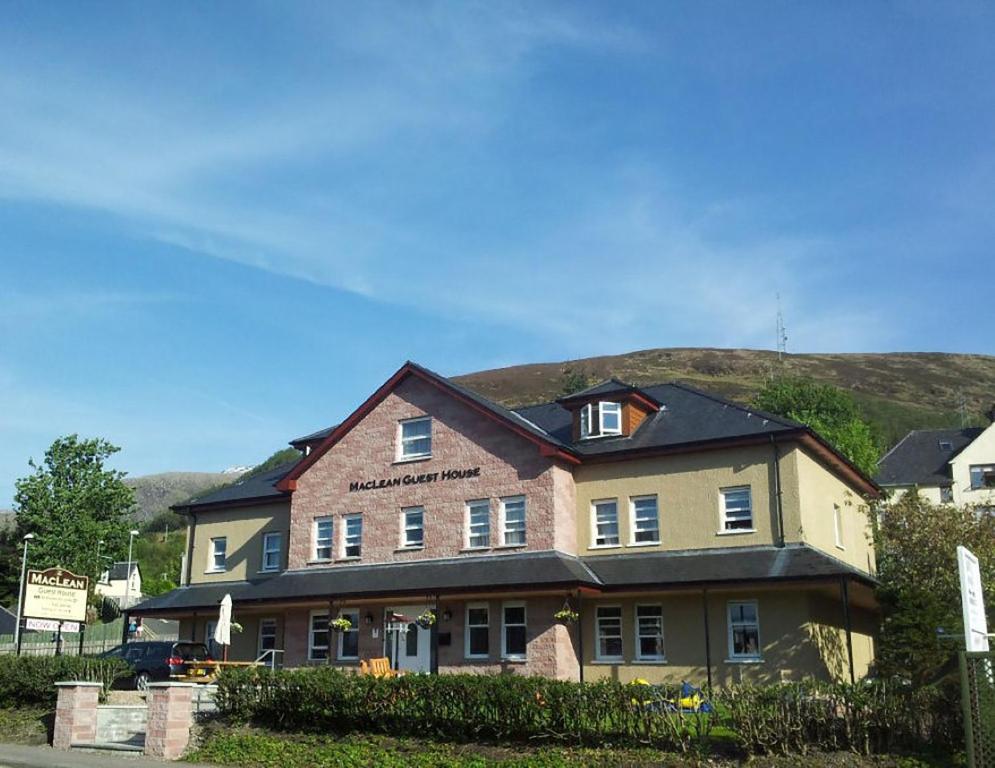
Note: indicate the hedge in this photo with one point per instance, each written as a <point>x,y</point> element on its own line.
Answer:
<point>782,719</point>
<point>456,707</point>
<point>30,680</point>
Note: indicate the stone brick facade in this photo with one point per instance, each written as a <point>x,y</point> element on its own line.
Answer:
<point>75,714</point>
<point>170,719</point>
<point>461,438</point>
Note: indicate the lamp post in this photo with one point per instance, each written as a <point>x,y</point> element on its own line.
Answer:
<point>100,544</point>
<point>20,593</point>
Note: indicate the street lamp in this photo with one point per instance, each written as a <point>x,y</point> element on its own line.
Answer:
<point>20,593</point>
<point>127,584</point>
<point>99,545</point>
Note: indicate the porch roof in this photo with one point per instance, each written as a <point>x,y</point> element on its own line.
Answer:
<point>523,572</point>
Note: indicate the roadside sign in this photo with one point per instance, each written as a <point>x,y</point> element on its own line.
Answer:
<point>972,601</point>
<point>43,625</point>
<point>55,593</point>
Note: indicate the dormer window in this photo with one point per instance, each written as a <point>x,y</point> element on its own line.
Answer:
<point>946,445</point>
<point>600,419</point>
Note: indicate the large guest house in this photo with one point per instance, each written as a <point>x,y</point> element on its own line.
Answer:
<point>655,532</point>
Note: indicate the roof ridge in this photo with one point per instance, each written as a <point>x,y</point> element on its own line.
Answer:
<point>895,446</point>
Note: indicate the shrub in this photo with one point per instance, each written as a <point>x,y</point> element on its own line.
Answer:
<point>458,707</point>
<point>869,717</point>
<point>30,680</point>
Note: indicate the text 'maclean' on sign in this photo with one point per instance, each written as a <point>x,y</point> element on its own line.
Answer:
<point>57,594</point>
<point>428,477</point>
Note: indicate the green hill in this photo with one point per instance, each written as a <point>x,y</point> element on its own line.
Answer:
<point>897,392</point>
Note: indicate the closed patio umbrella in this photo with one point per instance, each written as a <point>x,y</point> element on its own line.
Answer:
<point>222,632</point>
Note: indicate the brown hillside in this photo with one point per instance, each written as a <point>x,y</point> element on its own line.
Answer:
<point>897,391</point>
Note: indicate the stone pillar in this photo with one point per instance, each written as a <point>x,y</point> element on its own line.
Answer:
<point>76,714</point>
<point>170,719</point>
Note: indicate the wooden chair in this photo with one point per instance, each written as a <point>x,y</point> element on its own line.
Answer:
<point>377,667</point>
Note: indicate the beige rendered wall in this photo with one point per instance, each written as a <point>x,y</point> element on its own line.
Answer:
<point>687,488</point>
<point>981,451</point>
<point>796,643</point>
<point>243,527</point>
<point>930,493</point>
<point>819,492</point>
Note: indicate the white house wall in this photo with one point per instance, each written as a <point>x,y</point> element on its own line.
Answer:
<point>980,451</point>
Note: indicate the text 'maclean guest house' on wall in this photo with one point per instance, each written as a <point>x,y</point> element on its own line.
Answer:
<point>653,532</point>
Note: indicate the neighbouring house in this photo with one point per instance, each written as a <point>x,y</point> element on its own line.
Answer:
<point>8,621</point>
<point>113,583</point>
<point>624,532</point>
<point>946,466</point>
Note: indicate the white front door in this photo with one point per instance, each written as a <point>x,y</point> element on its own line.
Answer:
<point>412,649</point>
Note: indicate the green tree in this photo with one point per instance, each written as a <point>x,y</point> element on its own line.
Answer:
<point>916,544</point>
<point>830,411</point>
<point>572,381</point>
<point>70,502</point>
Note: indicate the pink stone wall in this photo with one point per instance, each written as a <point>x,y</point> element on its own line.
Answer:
<point>75,715</point>
<point>461,438</point>
<point>551,647</point>
<point>170,718</point>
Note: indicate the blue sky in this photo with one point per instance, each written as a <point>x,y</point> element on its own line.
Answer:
<point>224,224</point>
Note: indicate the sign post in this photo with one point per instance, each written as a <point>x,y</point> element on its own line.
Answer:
<point>972,601</point>
<point>55,600</point>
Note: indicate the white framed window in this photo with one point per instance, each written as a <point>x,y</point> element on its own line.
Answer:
<point>415,439</point>
<point>514,641</point>
<point>645,516</point>
<point>476,633</point>
<point>737,509</point>
<point>513,521</point>
<point>744,630</point>
<point>604,517</point>
<point>272,549</point>
<point>838,525</point>
<point>317,636</point>
<point>478,524</point>
<point>218,560</point>
<point>323,538</point>
<point>413,527</point>
<point>601,419</point>
<point>352,536</point>
<point>349,639</point>
<point>611,418</point>
<point>649,633</point>
<point>982,476</point>
<point>267,636</point>
<point>608,627</point>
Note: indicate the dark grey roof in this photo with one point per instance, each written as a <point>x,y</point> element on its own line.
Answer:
<point>314,437</point>
<point>606,387</point>
<point>119,571</point>
<point>520,572</point>
<point>686,416</point>
<point>262,487</point>
<point>7,621</point>
<point>718,566</point>
<point>919,459</point>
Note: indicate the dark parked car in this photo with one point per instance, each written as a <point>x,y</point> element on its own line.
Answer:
<point>156,661</point>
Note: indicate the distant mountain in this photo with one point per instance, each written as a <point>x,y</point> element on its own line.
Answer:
<point>154,494</point>
<point>897,392</point>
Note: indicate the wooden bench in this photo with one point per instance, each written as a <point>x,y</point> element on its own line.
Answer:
<point>377,667</point>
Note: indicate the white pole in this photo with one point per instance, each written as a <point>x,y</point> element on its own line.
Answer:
<point>20,593</point>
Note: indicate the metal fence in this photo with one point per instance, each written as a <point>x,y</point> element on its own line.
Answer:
<point>977,672</point>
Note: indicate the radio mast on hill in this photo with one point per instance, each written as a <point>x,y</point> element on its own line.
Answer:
<point>782,336</point>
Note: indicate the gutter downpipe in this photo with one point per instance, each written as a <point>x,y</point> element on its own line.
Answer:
<point>580,634</point>
<point>193,531</point>
<point>779,506</point>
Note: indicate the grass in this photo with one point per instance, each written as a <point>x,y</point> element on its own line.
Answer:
<point>25,725</point>
<point>254,748</point>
